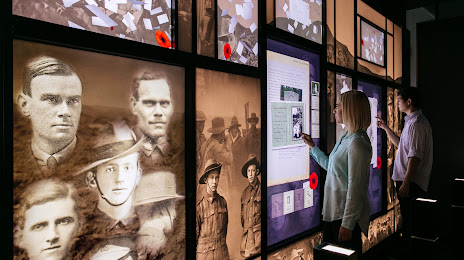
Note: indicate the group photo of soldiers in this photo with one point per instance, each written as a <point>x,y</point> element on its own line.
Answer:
<point>99,151</point>
<point>228,145</point>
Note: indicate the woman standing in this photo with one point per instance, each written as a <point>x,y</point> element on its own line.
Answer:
<point>346,206</point>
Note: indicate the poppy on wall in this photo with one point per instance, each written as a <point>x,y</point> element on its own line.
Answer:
<point>227,51</point>
<point>313,181</point>
<point>379,162</point>
<point>163,39</point>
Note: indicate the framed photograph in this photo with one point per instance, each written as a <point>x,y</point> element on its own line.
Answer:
<point>297,116</point>
<point>372,43</point>
<point>228,205</point>
<point>99,151</point>
<point>143,21</point>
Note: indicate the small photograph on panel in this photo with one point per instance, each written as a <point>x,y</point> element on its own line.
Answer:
<point>297,115</point>
<point>206,27</point>
<point>290,93</point>
<point>99,155</point>
<point>238,31</point>
<point>300,250</point>
<point>228,205</point>
<point>146,21</point>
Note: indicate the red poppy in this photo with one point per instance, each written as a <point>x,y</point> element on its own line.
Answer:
<point>379,162</point>
<point>362,42</point>
<point>163,39</point>
<point>313,181</point>
<point>227,51</point>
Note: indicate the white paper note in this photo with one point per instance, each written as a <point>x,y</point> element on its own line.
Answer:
<point>101,15</point>
<point>289,203</point>
<point>285,7</point>
<point>147,5</point>
<point>308,198</point>
<point>163,19</point>
<point>243,60</point>
<point>255,49</point>
<point>147,23</point>
<point>76,26</point>
<point>157,10</point>
<point>253,27</point>
<point>168,2</point>
<point>290,28</point>
<point>315,116</point>
<point>315,131</point>
<point>247,11</point>
<point>91,2</point>
<point>98,22</point>
<point>111,6</point>
<point>239,48</point>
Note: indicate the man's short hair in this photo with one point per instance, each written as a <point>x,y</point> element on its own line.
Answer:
<point>411,93</point>
<point>41,192</point>
<point>45,65</point>
<point>147,76</point>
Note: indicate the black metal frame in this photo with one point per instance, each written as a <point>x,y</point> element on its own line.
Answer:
<point>362,19</point>
<point>21,28</point>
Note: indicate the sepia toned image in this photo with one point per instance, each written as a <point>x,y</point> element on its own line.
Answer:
<point>301,250</point>
<point>237,22</point>
<point>228,204</point>
<point>98,156</point>
<point>206,27</point>
<point>184,16</point>
<point>379,229</point>
<point>143,21</point>
<point>343,84</point>
<point>300,17</point>
<point>392,197</point>
<point>372,44</point>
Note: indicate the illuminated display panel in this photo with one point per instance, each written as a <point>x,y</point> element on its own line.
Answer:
<point>372,43</point>
<point>300,17</point>
<point>293,106</point>
<point>146,21</point>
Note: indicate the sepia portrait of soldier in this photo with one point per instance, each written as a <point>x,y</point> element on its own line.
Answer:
<point>212,216</point>
<point>236,142</point>
<point>251,209</point>
<point>47,221</point>
<point>51,100</point>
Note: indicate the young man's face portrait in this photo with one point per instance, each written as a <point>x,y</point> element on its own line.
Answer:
<point>49,229</point>
<point>54,107</point>
<point>252,172</point>
<point>234,132</point>
<point>117,178</point>
<point>154,107</point>
<point>213,180</point>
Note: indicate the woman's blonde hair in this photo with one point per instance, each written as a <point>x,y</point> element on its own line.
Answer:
<point>356,111</point>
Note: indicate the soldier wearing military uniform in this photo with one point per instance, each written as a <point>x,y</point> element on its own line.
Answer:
<point>251,209</point>
<point>212,216</point>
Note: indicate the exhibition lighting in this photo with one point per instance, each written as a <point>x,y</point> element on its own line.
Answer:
<point>427,200</point>
<point>457,179</point>
<point>339,250</point>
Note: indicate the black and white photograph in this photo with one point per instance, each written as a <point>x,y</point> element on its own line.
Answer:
<point>291,94</point>
<point>102,138</point>
<point>297,116</point>
<point>206,27</point>
<point>228,166</point>
<point>143,21</point>
<point>315,88</point>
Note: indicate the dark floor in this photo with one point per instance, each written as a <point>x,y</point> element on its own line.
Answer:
<point>396,247</point>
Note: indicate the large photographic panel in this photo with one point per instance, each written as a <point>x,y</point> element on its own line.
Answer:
<point>372,43</point>
<point>147,21</point>
<point>303,249</point>
<point>300,17</point>
<point>98,153</point>
<point>228,208</point>
<point>374,93</point>
<point>379,229</point>
<point>237,22</point>
<point>292,189</point>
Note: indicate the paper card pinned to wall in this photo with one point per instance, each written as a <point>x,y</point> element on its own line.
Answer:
<point>76,26</point>
<point>306,184</point>
<point>231,28</point>
<point>289,202</point>
<point>308,197</point>
<point>247,10</point>
<point>157,10</point>
<point>277,205</point>
<point>233,20</point>
<point>290,28</point>
<point>168,2</point>
<point>285,7</point>
<point>255,49</point>
<point>315,116</point>
<point>95,10</point>
<point>163,19</point>
<point>113,7</point>
<point>253,27</point>
<point>239,48</point>
<point>239,9</point>
<point>69,3</point>
<point>147,23</point>
<point>129,19</point>
<point>243,60</point>
<point>91,2</point>
<point>98,22</point>
<point>315,102</point>
<point>147,5</point>
<point>299,199</point>
<point>315,133</point>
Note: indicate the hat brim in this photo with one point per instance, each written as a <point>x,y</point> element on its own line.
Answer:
<point>217,130</point>
<point>250,162</point>
<point>133,149</point>
<point>203,176</point>
<point>253,119</point>
<point>235,125</point>
<point>157,199</point>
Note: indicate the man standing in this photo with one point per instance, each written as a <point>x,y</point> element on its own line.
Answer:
<point>215,147</point>
<point>253,137</point>
<point>51,99</point>
<point>236,142</point>
<point>251,209</point>
<point>46,221</point>
<point>212,216</point>
<point>413,162</point>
